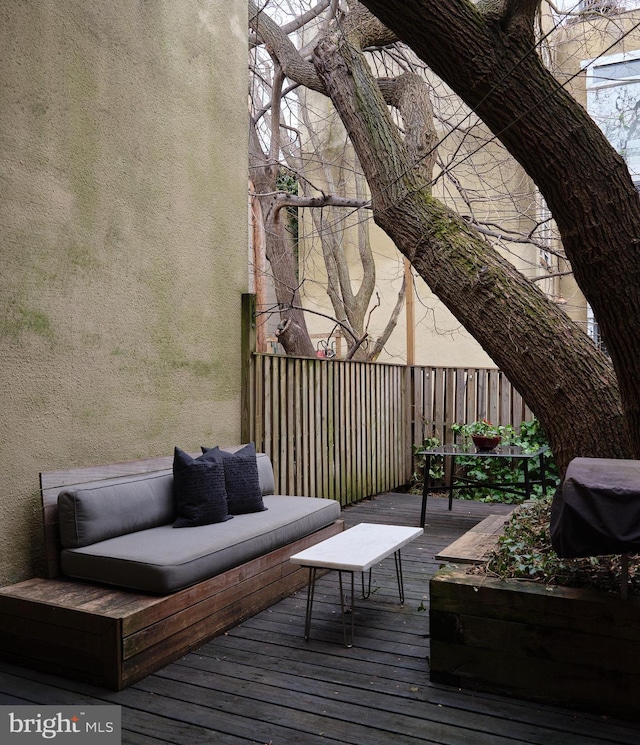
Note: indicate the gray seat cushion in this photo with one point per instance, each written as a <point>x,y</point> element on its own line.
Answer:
<point>162,560</point>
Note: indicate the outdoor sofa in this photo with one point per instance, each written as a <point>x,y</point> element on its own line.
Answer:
<point>142,569</point>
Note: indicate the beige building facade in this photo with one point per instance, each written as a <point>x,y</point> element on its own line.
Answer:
<point>597,57</point>
<point>123,215</point>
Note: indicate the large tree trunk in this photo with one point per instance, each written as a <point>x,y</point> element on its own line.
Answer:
<point>564,379</point>
<point>489,60</point>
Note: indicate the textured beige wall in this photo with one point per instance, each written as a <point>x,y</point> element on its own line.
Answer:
<point>124,240</point>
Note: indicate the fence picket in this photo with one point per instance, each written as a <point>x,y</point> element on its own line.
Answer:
<point>471,409</point>
<point>439,401</point>
<point>482,389</point>
<point>493,391</point>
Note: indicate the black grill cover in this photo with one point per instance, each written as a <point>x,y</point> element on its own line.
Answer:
<point>597,509</point>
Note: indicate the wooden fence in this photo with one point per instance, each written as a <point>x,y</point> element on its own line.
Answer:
<point>346,430</point>
<point>332,428</point>
<point>441,396</point>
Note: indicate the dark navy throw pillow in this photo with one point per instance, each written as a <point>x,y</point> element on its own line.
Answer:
<point>199,491</point>
<point>241,479</point>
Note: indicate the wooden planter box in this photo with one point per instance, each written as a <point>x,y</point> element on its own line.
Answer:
<point>564,646</point>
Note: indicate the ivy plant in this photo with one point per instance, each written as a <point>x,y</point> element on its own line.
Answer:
<point>524,551</point>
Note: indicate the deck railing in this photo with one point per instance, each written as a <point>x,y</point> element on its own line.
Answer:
<point>345,430</point>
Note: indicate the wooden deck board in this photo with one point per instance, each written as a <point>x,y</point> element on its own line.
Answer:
<point>476,544</point>
<point>262,682</point>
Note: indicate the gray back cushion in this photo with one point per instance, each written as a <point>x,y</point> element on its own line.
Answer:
<point>105,510</point>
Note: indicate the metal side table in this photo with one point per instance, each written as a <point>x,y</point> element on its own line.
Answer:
<point>511,452</point>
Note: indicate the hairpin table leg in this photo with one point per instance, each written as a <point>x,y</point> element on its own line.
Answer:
<point>311,588</point>
<point>346,610</point>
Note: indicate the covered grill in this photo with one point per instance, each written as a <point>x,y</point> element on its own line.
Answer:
<point>596,511</point>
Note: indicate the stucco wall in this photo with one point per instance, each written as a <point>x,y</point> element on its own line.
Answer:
<point>124,241</point>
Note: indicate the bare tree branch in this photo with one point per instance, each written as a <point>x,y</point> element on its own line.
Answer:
<point>380,342</point>
<point>550,276</point>
<point>295,68</point>
<point>301,20</point>
<point>291,306</point>
<point>520,15</point>
<point>302,71</point>
<point>282,199</point>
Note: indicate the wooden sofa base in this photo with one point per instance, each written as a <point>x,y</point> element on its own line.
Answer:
<point>112,638</point>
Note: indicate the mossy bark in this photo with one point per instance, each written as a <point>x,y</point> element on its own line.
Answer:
<point>569,384</point>
<point>490,60</point>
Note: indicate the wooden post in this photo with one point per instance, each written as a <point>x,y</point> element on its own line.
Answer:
<point>410,313</point>
<point>624,576</point>
<point>410,428</point>
<point>247,371</point>
<point>259,272</point>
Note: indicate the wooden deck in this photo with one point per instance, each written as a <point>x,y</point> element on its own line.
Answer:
<point>262,683</point>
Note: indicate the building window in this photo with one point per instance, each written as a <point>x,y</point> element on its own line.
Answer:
<point>613,100</point>
<point>593,329</point>
<point>601,7</point>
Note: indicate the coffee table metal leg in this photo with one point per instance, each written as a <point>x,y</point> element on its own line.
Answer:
<point>311,588</point>
<point>346,610</point>
<point>365,594</point>
<point>398,559</point>
<point>452,476</point>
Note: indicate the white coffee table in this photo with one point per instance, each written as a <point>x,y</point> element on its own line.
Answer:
<point>354,550</point>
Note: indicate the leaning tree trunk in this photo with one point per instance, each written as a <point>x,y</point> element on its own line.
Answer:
<point>490,61</point>
<point>566,381</point>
